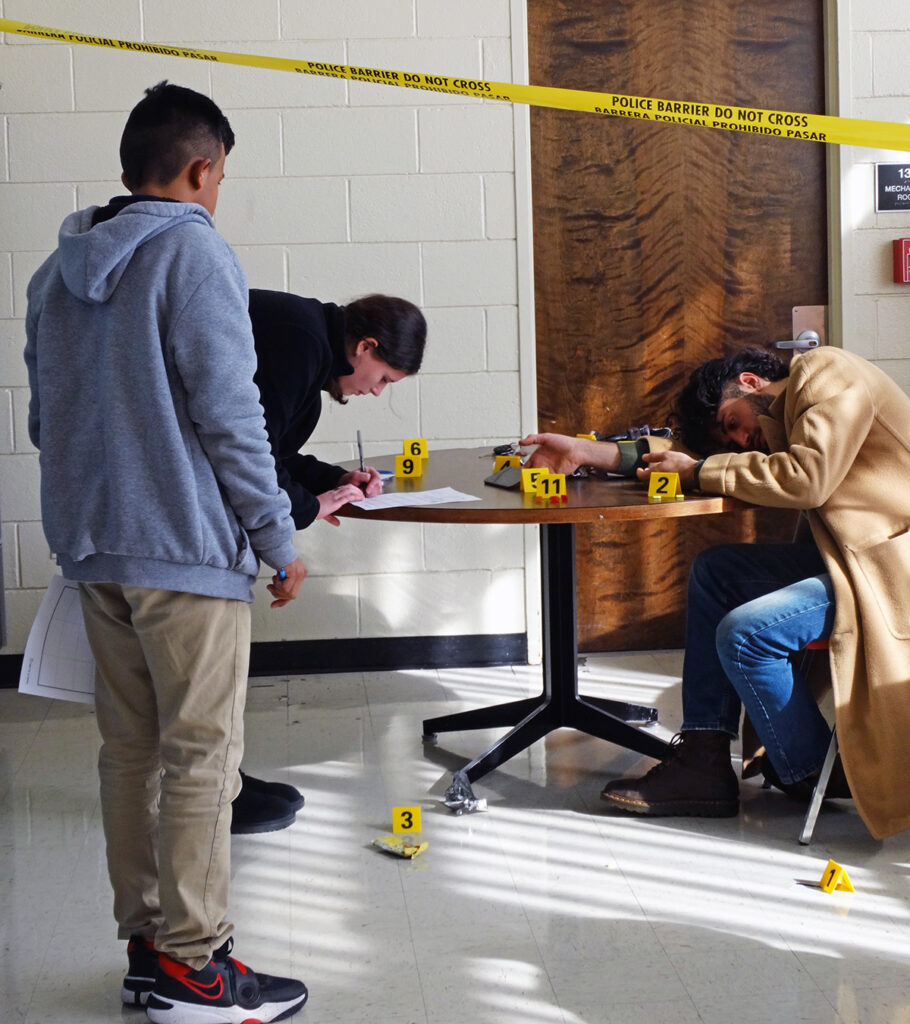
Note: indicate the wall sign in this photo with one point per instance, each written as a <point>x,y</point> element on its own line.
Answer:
<point>892,187</point>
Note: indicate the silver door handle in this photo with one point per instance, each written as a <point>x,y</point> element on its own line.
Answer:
<point>802,342</point>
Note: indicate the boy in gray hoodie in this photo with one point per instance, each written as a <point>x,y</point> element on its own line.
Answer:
<point>159,496</point>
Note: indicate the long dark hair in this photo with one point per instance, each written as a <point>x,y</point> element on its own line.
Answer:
<point>397,325</point>
<point>712,383</point>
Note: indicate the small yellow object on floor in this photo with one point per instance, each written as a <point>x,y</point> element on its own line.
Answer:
<point>401,846</point>
<point>835,877</point>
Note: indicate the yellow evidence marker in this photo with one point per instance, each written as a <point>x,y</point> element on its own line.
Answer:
<point>835,877</point>
<point>664,487</point>
<point>501,461</point>
<point>415,447</point>
<point>408,466</point>
<point>551,487</point>
<point>405,819</point>
<point>530,477</point>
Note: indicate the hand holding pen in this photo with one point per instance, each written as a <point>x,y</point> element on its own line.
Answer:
<point>286,583</point>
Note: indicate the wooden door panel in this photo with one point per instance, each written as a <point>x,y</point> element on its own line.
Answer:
<point>659,246</point>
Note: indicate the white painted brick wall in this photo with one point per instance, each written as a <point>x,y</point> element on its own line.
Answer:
<point>334,190</point>
<point>876,310</point>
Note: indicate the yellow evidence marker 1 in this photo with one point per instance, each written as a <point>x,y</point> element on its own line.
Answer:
<point>501,461</point>
<point>405,819</point>
<point>551,487</point>
<point>530,477</point>
<point>408,466</point>
<point>835,877</point>
<point>664,487</point>
<point>416,447</point>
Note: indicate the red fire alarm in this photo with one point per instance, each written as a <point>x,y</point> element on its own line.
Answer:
<point>901,247</point>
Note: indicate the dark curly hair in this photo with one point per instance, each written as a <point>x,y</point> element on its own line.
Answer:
<point>713,382</point>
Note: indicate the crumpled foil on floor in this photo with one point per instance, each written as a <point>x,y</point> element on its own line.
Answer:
<point>459,797</point>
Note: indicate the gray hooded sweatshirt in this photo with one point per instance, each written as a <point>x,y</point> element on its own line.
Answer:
<point>156,469</point>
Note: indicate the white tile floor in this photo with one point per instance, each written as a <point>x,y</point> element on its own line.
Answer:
<point>546,909</point>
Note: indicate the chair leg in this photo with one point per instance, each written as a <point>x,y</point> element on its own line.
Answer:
<point>818,795</point>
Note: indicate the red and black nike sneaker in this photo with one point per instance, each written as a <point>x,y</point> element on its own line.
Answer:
<point>140,976</point>
<point>225,991</point>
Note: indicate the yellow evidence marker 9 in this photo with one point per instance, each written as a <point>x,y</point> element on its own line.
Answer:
<point>405,819</point>
<point>408,466</point>
<point>530,477</point>
<point>664,487</point>
<point>415,447</point>
<point>551,487</point>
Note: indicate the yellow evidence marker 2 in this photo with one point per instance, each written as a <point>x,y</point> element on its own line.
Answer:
<point>405,819</point>
<point>664,487</point>
<point>408,466</point>
<point>835,877</point>
<point>530,478</point>
<point>415,447</point>
<point>551,487</point>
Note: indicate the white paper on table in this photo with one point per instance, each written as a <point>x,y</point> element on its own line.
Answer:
<point>438,496</point>
<point>58,662</point>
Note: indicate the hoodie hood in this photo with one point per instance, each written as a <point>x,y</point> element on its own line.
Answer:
<point>93,259</point>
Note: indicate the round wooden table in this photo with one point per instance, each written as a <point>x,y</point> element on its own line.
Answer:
<point>559,704</point>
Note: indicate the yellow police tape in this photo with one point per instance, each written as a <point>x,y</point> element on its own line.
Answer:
<point>807,127</point>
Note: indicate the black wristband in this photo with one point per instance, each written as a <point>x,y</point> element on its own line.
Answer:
<point>696,473</point>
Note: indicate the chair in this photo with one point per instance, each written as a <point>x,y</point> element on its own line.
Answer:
<point>818,794</point>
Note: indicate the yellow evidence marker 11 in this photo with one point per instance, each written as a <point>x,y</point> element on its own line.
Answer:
<point>408,466</point>
<point>664,487</point>
<point>416,447</point>
<point>405,819</point>
<point>551,487</point>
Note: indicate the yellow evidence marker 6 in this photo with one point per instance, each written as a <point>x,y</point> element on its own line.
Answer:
<point>415,447</point>
<point>501,461</point>
<point>408,466</point>
<point>551,487</point>
<point>530,477</point>
<point>405,819</point>
<point>664,487</point>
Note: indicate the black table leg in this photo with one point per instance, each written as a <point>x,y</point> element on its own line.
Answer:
<point>559,704</point>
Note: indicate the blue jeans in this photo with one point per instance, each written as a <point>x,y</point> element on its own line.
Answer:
<point>751,606</point>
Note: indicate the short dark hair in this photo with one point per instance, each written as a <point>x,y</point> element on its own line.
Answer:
<point>397,325</point>
<point>712,383</point>
<point>166,130</point>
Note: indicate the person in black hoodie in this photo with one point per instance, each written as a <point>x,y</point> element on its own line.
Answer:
<point>305,347</point>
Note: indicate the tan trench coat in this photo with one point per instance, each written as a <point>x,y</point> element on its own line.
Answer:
<point>839,435</point>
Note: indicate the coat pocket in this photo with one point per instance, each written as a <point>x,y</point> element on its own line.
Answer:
<point>886,569</point>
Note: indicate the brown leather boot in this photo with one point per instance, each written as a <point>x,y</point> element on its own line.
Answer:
<point>696,778</point>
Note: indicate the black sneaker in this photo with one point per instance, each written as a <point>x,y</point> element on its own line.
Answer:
<point>280,789</point>
<point>140,977</point>
<point>222,992</point>
<point>253,812</point>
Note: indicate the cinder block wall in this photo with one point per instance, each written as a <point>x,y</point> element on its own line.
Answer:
<point>874,85</point>
<point>334,189</point>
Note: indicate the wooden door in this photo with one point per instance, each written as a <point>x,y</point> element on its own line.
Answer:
<point>659,246</point>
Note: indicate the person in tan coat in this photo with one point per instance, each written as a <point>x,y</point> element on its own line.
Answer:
<point>830,436</point>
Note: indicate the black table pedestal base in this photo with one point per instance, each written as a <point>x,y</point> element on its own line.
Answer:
<point>559,705</point>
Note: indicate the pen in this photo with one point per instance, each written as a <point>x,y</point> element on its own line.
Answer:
<point>360,451</point>
<point>282,575</point>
